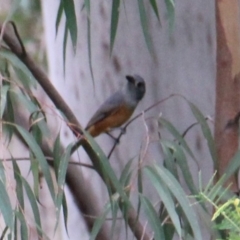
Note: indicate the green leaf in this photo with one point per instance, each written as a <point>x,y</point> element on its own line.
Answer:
<point>107,171</point>
<point>65,47</point>
<point>62,170</point>
<point>34,206</point>
<point>179,194</point>
<point>57,154</point>
<point>19,185</point>
<point>232,167</point>
<point>153,218</point>
<point>3,98</point>
<point>9,117</point>
<point>39,127</point>
<point>39,156</point>
<point>59,16</point>
<point>26,76</point>
<point>126,174</point>
<point>5,206</point>
<point>88,8</point>
<point>71,20</point>
<point>22,78</point>
<point>165,196</point>
<point>99,222</point>
<point>65,212</point>
<point>145,28</point>
<point>19,97</point>
<point>155,8</point>
<point>35,174</point>
<point>206,131</point>
<point>114,207</point>
<point>171,12</point>
<point>177,135</point>
<point>181,160</point>
<point>169,161</point>
<point>139,185</point>
<point>2,173</point>
<point>114,22</point>
<point>23,225</point>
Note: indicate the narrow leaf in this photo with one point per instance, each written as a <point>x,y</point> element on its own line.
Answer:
<point>71,20</point>
<point>39,156</point>
<point>165,196</point>
<point>19,186</point>
<point>88,8</point>
<point>99,222</point>
<point>18,64</point>
<point>155,8</point>
<point>107,171</point>
<point>19,97</point>
<point>232,167</point>
<point>23,225</point>
<point>145,28</point>
<point>177,135</point>
<point>153,218</point>
<point>125,175</point>
<point>206,131</point>
<point>65,212</point>
<point>114,22</point>
<point>59,16</point>
<point>9,117</point>
<point>62,170</point>
<point>56,155</point>
<point>5,206</point>
<point>2,173</point>
<point>171,12</point>
<point>180,196</point>
<point>181,160</point>
<point>65,47</point>
<point>3,98</point>
<point>35,174</point>
<point>34,206</point>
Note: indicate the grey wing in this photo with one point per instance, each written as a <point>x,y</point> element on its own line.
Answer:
<point>108,107</point>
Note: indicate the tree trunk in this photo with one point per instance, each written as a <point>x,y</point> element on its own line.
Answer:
<point>227,86</point>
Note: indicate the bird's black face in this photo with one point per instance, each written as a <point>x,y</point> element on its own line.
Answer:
<point>137,85</point>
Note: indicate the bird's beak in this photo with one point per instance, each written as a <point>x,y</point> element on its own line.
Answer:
<point>130,79</point>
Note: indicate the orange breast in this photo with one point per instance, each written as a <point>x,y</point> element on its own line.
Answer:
<point>115,119</point>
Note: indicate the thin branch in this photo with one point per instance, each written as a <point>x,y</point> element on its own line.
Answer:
<point>49,159</point>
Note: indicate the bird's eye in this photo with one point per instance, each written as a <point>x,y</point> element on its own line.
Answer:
<point>140,84</point>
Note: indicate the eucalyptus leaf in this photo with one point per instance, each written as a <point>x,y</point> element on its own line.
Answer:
<point>144,25</point>
<point>153,218</point>
<point>34,147</point>
<point>3,99</point>
<point>71,20</point>
<point>5,206</point>
<point>26,77</point>
<point>114,22</point>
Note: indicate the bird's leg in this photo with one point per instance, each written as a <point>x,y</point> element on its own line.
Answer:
<point>123,130</point>
<point>114,138</point>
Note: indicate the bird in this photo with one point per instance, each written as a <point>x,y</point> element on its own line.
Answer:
<point>118,108</point>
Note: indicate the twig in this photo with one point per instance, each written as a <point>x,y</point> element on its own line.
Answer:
<point>49,159</point>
